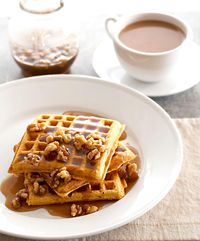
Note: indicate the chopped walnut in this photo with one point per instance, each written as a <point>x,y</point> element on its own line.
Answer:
<point>63,154</point>
<point>122,172</point>
<point>59,136</point>
<point>20,196</point>
<point>132,172</point>
<point>90,208</point>
<point>56,151</point>
<point>60,176</point>
<point>78,210</point>
<point>128,171</point>
<point>64,174</point>
<point>96,136</point>
<point>36,127</point>
<point>66,138</point>
<point>39,189</point>
<point>32,177</point>
<point>50,138</point>
<point>53,146</point>
<point>22,193</point>
<point>95,143</point>
<point>79,141</point>
<point>94,154</point>
<point>16,202</point>
<point>34,159</point>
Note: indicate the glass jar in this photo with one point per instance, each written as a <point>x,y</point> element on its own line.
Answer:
<point>43,38</point>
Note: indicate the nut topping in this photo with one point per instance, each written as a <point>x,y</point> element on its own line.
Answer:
<point>78,210</point>
<point>128,171</point>
<point>32,158</point>
<point>36,127</point>
<point>63,154</point>
<point>93,142</point>
<point>132,171</point>
<point>56,151</point>
<point>51,147</point>
<point>49,138</point>
<point>60,176</point>
<point>66,138</point>
<point>39,189</point>
<point>79,141</point>
<point>20,196</point>
<point>94,154</point>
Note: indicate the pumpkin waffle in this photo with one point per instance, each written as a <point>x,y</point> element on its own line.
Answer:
<point>63,188</point>
<point>30,153</point>
<point>121,156</point>
<point>112,188</point>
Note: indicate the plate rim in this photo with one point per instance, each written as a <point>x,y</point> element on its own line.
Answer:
<point>100,74</point>
<point>125,88</point>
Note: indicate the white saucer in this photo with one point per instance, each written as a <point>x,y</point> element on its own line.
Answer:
<point>185,74</point>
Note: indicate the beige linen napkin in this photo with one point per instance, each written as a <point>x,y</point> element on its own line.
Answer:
<point>177,216</point>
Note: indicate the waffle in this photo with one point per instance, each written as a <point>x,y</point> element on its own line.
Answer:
<point>64,189</point>
<point>112,188</point>
<point>121,156</point>
<point>77,164</point>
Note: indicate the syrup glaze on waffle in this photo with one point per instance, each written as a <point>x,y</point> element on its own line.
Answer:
<point>109,189</point>
<point>121,156</point>
<point>105,178</point>
<point>77,164</point>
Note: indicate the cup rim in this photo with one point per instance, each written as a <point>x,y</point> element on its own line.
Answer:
<point>124,19</point>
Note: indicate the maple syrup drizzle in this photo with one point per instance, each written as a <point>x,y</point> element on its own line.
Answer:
<point>12,184</point>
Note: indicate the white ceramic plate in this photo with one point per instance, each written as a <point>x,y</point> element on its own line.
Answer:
<point>149,128</point>
<point>185,74</point>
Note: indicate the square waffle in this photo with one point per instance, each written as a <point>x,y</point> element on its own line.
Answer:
<point>121,156</point>
<point>112,188</point>
<point>77,164</point>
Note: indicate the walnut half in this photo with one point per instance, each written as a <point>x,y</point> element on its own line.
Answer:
<point>56,151</point>
<point>79,210</point>
<point>60,176</point>
<point>20,196</point>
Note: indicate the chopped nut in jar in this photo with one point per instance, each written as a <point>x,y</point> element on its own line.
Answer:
<point>46,60</point>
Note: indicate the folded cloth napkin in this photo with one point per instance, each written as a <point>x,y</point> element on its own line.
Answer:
<point>177,216</point>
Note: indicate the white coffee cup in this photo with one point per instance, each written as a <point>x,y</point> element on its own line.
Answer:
<point>146,66</point>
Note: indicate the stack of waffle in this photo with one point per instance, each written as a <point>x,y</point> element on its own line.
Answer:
<point>66,158</point>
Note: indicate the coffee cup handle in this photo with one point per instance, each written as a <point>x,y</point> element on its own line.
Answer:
<point>108,27</point>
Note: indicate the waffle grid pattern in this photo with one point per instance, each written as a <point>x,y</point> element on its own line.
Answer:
<point>32,142</point>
